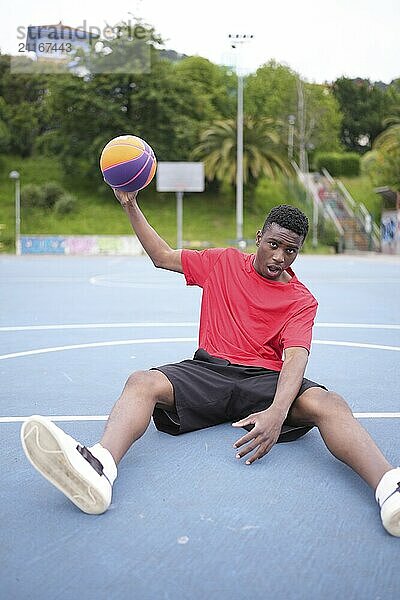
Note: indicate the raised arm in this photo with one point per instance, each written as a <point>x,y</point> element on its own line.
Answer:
<point>162,255</point>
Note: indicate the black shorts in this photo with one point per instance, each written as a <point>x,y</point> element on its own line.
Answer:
<point>210,390</point>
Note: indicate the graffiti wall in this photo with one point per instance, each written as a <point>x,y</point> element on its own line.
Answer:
<point>390,232</point>
<point>81,245</point>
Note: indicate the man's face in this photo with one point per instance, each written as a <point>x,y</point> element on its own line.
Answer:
<point>277,248</point>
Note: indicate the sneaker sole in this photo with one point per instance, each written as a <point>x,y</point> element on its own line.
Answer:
<point>44,451</point>
<point>391,517</point>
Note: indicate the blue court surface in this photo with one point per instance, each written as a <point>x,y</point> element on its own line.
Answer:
<point>188,520</point>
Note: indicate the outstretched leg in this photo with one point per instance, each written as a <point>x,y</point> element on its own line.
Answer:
<point>348,441</point>
<point>343,435</point>
<point>132,412</point>
<point>86,475</point>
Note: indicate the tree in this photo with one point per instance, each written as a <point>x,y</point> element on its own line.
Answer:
<point>364,106</point>
<point>382,164</point>
<point>216,82</point>
<point>382,168</point>
<point>170,111</point>
<point>4,129</point>
<point>168,106</point>
<point>23,98</point>
<point>83,119</point>
<point>23,125</point>
<point>323,119</point>
<point>273,92</point>
<point>389,140</point>
<point>261,150</point>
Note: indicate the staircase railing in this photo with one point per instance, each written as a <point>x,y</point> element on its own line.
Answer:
<point>364,217</point>
<point>326,211</point>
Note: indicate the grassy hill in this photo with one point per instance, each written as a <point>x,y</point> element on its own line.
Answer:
<point>207,217</point>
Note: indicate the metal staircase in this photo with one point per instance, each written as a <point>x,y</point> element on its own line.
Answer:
<point>356,230</point>
<point>360,232</point>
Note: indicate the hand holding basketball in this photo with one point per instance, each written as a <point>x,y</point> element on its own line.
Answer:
<point>125,198</point>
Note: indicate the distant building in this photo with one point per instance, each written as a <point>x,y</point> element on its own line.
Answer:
<point>57,42</point>
<point>171,55</point>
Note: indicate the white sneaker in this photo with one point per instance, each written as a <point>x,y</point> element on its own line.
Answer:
<point>72,468</point>
<point>388,497</point>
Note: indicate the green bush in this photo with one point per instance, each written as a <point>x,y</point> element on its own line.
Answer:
<point>270,193</point>
<point>350,164</point>
<point>329,161</point>
<point>65,204</point>
<point>267,194</point>
<point>347,164</point>
<point>7,239</point>
<point>52,192</point>
<point>43,196</point>
<point>32,196</point>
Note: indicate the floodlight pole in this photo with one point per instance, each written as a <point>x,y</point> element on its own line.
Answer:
<point>16,177</point>
<point>239,162</point>
<point>315,223</point>
<point>237,40</point>
<point>315,201</point>
<point>302,125</point>
<point>291,121</point>
<point>303,156</point>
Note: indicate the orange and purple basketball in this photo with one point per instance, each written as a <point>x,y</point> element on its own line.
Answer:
<point>128,163</point>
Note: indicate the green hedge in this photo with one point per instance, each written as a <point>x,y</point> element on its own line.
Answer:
<point>50,195</point>
<point>347,164</point>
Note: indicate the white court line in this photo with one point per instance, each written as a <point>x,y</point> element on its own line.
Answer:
<point>366,415</point>
<point>357,325</point>
<point>374,415</point>
<point>58,418</point>
<point>44,279</point>
<point>175,324</point>
<point>172,341</point>
<point>98,326</point>
<point>349,280</point>
<point>354,345</point>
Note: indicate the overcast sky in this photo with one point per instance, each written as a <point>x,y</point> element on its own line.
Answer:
<point>321,40</point>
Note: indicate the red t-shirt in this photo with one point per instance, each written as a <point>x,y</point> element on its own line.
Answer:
<point>245,318</point>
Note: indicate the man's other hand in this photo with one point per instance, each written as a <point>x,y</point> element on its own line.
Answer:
<point>264,434</point>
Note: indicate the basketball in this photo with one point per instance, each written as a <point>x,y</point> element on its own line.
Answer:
<point>128,163</point>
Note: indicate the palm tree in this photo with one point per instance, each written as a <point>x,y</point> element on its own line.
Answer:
<point>383,162</point>
<point>261,150</point>
<point>389,140</point>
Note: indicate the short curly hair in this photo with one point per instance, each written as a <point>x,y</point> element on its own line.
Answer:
<point>288,217</point>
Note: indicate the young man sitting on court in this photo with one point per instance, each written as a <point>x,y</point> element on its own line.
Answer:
<point>254,312</point>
